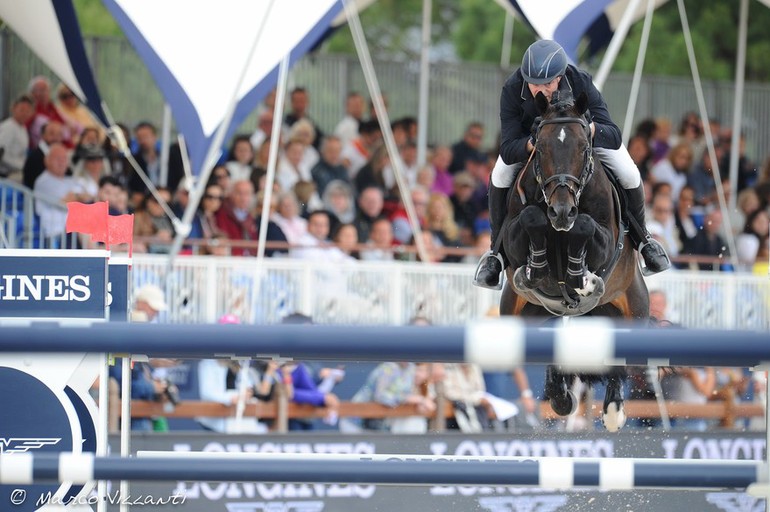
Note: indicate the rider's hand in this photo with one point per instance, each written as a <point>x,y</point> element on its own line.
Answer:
<point>593,129</point>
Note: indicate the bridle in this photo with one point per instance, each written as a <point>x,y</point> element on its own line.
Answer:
<point>564,179</point>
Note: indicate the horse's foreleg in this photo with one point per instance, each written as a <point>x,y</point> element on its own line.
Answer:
<point>533,221</point>
<point>613,411</point>
<point>577,241</point>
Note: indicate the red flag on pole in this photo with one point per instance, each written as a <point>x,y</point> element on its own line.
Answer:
<point>121,231</point>
<point>90,219</point>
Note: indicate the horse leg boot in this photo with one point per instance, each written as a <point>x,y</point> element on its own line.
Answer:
<point>613,411</point>
<point>654,255</point>
<point>490,267</point>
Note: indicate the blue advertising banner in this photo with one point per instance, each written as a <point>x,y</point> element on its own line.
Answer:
<point>118,288</point>
<point>53,284</point>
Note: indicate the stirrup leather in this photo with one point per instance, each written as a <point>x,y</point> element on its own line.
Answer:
<point>482,261</point>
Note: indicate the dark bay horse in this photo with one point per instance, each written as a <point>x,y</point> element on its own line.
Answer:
<point>566,245</point>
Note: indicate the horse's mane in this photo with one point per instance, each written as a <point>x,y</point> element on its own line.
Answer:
<point>562,105</point>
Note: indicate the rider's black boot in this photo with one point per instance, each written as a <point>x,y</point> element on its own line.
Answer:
<point>654,255</point>
<point>490,268</point>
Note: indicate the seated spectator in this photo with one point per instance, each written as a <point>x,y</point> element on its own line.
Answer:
<point>659,139</point>
<point>329,166</point>
<point>239,158</point>
<point>440,222</point>
<point>204,225</point>
<point>402,229</point>
<point>236,220</point>
<point>370,204</point>
<point>702,181</point>
<point>290,168</point>
<point>691,386</point>
<point>752,243</point>
<point>465,210</point>
<point>304,131</point>
<point>151,221</point>
<point>464,387</point>
<point>287,217</point>
<point>372,174</point>
<point>221,176</point>
<point>685,216</point>
<point>357,152</point>
<point>408,153</point>
<point>641,154</point>
<point>76,113</point>
<point>345,237</point>
<point>675,168</point>
<point>347,129</point>
<point>307,197</point>
<point>442,178</point>
<point>338,200</point>
<point>662,224</point>
<point>46,112</point>
<point>14,138</point>
<point>89,171</point>
<point>708,241</point>
<point>393,384</point>
<point>34,165</point>
<point>299,101</point>
<point>747,202</point>
<point>90,140</point>
<point>465,148</point>
<point>53,189</point>
<point>380,243</point>
<point>315,244</point>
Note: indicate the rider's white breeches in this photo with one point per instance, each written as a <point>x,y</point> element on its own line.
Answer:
<point>621,164</point>
<point>618,160</point>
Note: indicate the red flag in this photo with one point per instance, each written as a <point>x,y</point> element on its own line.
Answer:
<point>121,231</point>
<point>88,218</point>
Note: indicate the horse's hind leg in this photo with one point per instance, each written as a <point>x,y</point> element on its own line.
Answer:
<point>557,391</point>
<point>613,411</point>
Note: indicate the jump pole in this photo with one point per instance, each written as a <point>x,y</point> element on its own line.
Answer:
<point>551,473</point>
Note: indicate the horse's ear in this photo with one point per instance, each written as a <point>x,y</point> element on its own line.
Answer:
<point>581,104</point>
<point>541,102</point>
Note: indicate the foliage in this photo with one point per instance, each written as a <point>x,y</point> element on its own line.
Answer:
<point>95,19</point>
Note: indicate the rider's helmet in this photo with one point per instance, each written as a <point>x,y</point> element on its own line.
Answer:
<point>543,61</point>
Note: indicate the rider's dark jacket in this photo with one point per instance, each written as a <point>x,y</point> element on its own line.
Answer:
<point>518,112</point>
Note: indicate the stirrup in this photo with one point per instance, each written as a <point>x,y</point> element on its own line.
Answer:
<point>482,261</point>
<point>646,271</point>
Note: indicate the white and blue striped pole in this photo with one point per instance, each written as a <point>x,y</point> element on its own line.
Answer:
<point>494,344</point>
<point>552,473</point>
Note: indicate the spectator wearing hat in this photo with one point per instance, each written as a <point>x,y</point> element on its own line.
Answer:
<point>467,147</point>
<point>91,167</point>
<point>149,300</point>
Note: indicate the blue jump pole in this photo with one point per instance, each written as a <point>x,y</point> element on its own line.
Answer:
<point>495,344</point>
<point>555,473</point>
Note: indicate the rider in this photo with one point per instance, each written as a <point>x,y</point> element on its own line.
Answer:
<point>544,68</point>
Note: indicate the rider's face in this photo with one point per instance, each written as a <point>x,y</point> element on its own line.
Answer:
<point>547,89</point>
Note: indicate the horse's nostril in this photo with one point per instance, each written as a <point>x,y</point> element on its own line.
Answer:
<point>552,212</point>
<point>572,212</point>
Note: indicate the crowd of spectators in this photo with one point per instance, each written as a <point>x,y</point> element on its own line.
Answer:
<point>347,173</point>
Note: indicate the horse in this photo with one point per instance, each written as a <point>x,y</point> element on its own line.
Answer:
<point>565,241</point>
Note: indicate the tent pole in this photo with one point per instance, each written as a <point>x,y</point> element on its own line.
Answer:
<point>390,143</point>
<point>709,136</point>
<point>617,41</point>
<point>422,115</point>
<point>505,52</point>
<point>196,192</point>
<point>165,143</point>
<point>740,79</point>
<point>640,56</point>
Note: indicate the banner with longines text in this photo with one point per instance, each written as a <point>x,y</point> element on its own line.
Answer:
<point>260,497</point>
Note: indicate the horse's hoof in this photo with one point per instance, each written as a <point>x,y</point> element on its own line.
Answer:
<point>525,279</point>
<point>593,286</point>
<point>564,405</point>
<point>614,416</point>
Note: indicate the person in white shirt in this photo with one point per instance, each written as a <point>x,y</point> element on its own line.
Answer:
<point>357,152</point>
<point>53,189</point>
<point>14,138</point>
<point>288,218</point>
<point>347,128</point>
<point>315,245</point>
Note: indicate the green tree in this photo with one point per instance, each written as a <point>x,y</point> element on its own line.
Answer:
<point>95,19</point>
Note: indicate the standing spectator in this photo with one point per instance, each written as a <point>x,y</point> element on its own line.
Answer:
<point>35,163</point>
<point>675,168</point>
<point>45,112</point>
<point>54,189</point>
<point>329,166</point>
<point>347,129</point>
<point>239,158</point>
<point>14,138</point>
<point>470,143</point>
<point>300,101</point>
<point>370,204</point>
<point>465,209</point>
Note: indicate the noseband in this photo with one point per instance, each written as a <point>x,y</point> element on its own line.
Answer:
<point>564,179</point>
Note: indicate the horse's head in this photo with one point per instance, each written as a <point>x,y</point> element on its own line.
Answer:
<point>563,160</point>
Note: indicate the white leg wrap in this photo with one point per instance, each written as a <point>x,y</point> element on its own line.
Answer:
<point>621,164</point>
<point>504,174</point>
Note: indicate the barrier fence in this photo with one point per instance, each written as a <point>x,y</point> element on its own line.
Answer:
<point>552,473</point>
<point>494,344</point>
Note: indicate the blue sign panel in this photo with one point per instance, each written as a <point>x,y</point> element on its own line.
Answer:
<point>53,284</point>
<point>117,289</point>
